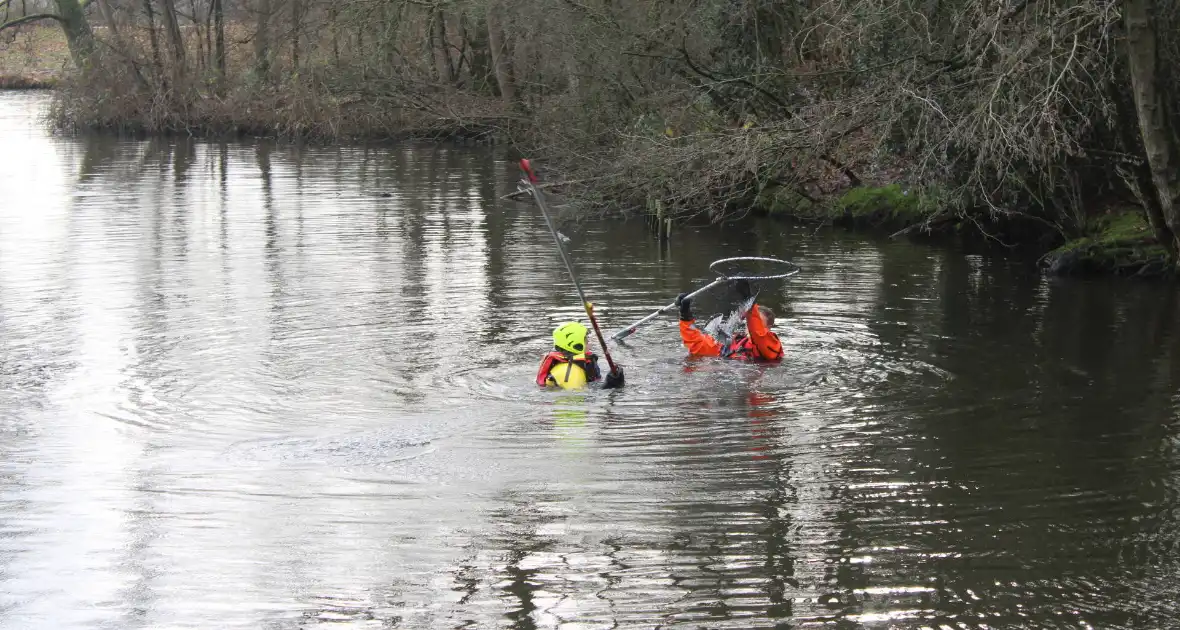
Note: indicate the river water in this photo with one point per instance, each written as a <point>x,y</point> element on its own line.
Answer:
<point>239,388</point>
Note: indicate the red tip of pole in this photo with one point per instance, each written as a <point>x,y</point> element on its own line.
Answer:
<point>528,169</point>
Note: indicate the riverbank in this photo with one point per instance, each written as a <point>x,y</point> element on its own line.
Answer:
<point>672,170</point>
<point>308,106</point>
<point>319,103</point>
<point>1118,242</point>
<point>297,110</point>
<point>45,81</point>
<point>36,58</point>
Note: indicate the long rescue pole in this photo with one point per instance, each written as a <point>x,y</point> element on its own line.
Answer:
<point>536,192</point>
<point>630,330</point>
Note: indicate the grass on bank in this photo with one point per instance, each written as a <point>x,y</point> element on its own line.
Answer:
<point>33,56</point>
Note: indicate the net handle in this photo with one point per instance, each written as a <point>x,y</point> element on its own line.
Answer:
<point>775,276</point>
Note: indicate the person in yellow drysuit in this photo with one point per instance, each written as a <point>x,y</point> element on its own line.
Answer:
<point>571,364</point>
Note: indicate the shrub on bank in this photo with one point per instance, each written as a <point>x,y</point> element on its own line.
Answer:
<point>27,82</point>
<point>305,108</point>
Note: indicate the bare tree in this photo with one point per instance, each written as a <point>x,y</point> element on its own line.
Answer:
<point>440,47</point>
<point>71,16</point>
<point>219,40</point>
<point>175,38</point>
<point>501,57</point>
<point>1017,110</point>
<point>296,25</point>
<point>153,37</point>
<point>262,60</point>
<point>1155,126</point>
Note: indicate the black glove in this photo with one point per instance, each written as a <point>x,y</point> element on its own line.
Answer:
<point>685,304</point>
<point>743,289</point>
<point>614,379</point>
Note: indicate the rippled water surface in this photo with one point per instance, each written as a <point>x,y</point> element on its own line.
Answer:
<point>240,388</point>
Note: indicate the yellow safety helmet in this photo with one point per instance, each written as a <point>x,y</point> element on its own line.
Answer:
<point>571,337</point>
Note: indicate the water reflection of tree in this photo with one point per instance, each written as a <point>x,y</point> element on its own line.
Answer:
<point>99,152</point>
<point>1049,428</point>
<point>414,291</point>
<point>497,230</point>
<point>271,247</point>
<point>131,257</point>
<point>723,486</point>
<point>1058,389</point>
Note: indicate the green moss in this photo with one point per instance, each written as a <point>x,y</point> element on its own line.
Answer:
<point>1119,243</point>
<point>1126,228</point>
<point>891,207</point>
<point>782,202</point>
<point>886,206</point>
<point>892,200</point>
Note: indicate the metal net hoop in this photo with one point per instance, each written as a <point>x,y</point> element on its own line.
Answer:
<point>778,269</point>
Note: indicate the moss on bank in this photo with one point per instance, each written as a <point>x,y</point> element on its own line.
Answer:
<point>1119,243</point>
<point>889,207</point>
<point>886,206</point>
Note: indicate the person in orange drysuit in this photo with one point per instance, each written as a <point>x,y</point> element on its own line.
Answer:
<point>757,344</point>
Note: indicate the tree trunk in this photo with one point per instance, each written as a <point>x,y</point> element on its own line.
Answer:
<point>500,57</point>
<point>108,16</point>
<point>172,25</point>
<point>206,25</point>
<point>79,37</point>
<point>104,7</point>
<point>573,77</point>
<point>296,18</point>
<point>1137,177</point>
<point>1159,141</point>
<point>442,53</point>
<point>153,38</point>
<point>360,46</point>
<point>219,40</point>
<point>334,18</point>
<point>262,41</point>
<point>199,62</point>
<point>479,62</point>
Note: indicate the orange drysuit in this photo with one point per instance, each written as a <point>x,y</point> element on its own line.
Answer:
<point>759,345</point>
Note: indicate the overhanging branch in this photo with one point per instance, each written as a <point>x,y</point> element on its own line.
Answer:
<point>28,18</point>
<point>83,3</point>
<point>692,66</point>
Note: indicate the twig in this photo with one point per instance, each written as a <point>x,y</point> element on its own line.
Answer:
<point>519,193</point>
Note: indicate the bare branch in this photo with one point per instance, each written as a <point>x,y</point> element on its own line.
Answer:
<point>28,18</point>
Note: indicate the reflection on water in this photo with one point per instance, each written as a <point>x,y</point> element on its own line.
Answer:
<point>265,386</point>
